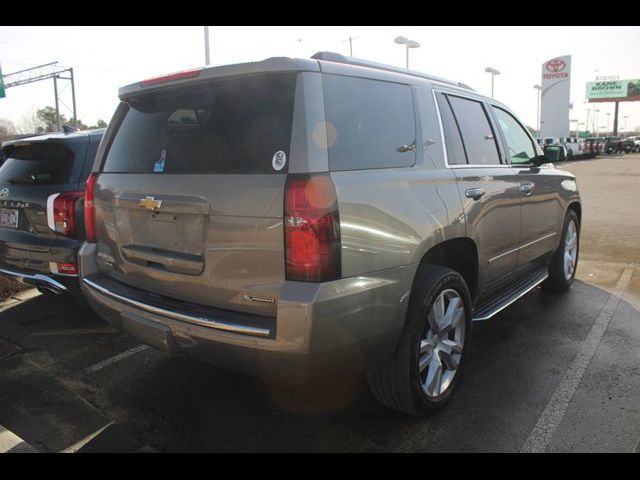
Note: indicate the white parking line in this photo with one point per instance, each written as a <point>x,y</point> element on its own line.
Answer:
<point>10,442</point>
<point>541,435</point>
<point>116,358</point>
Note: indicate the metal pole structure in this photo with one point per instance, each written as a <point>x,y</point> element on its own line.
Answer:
<point>615,120</point>
<point>586,124</point>
<point>539,89</point>
<point>55,92</point>
<point>350,46</point>
<point>73,99</point>
<point>608,115</point>
<point>206,45</point>
<point>407,47</point>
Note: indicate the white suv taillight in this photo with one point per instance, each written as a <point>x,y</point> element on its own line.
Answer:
<point>61,209</point>
<point>312,229</point>
<point>89,208</point>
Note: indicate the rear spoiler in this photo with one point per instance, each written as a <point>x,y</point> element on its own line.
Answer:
<point>196,76</point>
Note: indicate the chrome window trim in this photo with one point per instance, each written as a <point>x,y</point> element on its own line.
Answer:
<point>444,142</point>
<point>202,321</point>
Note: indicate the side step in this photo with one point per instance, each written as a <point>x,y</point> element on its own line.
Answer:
<point>487,309</point>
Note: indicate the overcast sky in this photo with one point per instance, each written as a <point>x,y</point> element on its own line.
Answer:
<point>105,58</point>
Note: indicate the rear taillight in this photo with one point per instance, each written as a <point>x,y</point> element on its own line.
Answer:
<point>89,208</point>
<point>171,77</point>
<point>312,228</point>
<point>61,210</point>
<point>63,268</point>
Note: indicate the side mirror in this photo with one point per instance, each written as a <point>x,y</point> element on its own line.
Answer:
<point>554,153</point>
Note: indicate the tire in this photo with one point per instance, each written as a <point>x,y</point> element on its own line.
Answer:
<point>560,279</point>
<point>399,384</point>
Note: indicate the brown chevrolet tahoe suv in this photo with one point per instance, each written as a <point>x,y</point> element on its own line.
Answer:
<point>304,218</point>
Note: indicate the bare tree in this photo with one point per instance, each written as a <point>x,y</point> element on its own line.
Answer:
<point>30,123</point>
<point>7,128</point>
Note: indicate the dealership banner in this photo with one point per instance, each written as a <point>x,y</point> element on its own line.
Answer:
<point>555,98</point>
<point>614,90</point>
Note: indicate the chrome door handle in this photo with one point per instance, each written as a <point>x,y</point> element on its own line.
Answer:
<point>526,188</point>
<point>475,193</point>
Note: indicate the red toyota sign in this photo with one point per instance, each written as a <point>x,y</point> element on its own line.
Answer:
<point>555,68</point>
<point>556,65</point>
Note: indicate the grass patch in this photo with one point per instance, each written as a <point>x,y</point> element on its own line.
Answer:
<point>10,287</point>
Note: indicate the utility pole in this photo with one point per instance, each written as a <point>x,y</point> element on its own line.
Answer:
<point>350,40</point>
<point>206,46</point>
<point>73,98</point>
<point>55,92</point>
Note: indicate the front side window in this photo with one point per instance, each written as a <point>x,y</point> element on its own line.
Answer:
<point>520,146</point>
<point>370,123</point>
<point>477,135</point>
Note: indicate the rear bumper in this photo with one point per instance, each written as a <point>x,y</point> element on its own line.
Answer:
<point>320,330</point>
<point>56,286</point>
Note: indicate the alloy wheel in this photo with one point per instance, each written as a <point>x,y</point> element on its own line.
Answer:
<point>570,249</point>
<point>440,349</point>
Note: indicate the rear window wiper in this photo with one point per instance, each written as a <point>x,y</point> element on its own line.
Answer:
<point>21,180</point>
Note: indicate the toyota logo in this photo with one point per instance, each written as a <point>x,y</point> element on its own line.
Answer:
<point>4,193</point>
<point>556,65</point>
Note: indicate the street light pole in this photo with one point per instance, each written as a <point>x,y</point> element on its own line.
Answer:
<point>493,73</point>
<point>408,44</point>
<point>206,45</point>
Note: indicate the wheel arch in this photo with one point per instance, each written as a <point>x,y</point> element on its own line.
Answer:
<point>576,207</point>
<point>459,254</point>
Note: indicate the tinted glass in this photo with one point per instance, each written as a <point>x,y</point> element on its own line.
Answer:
<point>370,124</point>
<point>476,131</point>
<point>37,164</point>
<point>520,146</point>
<point>230,126</point>
<point>455,149</point>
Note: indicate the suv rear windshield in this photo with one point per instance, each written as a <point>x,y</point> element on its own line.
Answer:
<point>228,126</point>
<point>37,164</point>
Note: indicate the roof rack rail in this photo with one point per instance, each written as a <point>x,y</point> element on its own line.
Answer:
<point>338,58</point>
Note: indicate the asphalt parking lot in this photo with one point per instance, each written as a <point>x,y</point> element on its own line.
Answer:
<point>550,373</point>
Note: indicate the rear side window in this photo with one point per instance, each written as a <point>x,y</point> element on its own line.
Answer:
<point>455,148</point>
<point>239,125</point>
<point>37,164</point>
<point>478,137</point>
<point>370,123</point>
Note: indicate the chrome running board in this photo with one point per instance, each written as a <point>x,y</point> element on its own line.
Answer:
<point>493,308</point>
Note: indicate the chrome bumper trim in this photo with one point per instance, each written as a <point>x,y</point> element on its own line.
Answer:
<point>35,279</point>
<point>203,321</point>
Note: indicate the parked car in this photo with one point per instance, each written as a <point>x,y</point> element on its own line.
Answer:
<point>593,145</point>
<point>42,183</point>
<point>305,218</point>
<point>629,145</point>
<point>612,145</point>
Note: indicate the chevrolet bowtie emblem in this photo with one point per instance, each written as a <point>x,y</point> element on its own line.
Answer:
<point>150,203</point>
